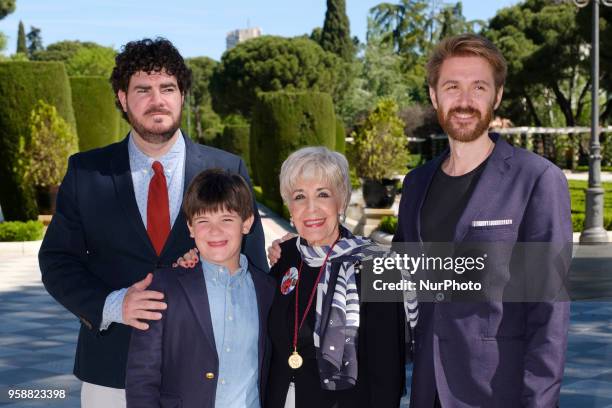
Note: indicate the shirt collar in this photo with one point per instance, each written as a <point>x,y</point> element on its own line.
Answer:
<point>222,273</point>
<point>142,161</point>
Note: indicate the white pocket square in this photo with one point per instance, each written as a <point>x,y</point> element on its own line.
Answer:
<point>490,223</point>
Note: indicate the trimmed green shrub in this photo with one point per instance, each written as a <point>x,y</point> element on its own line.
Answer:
<point>380,147</point>
<point>52,142</point>
<point>235,139</point>
<point>11,231</point>
<point>262,200</point>
<point>97,117</point>
<point>415,160</point>
<point>578,222</point>
<point>340,136</point>
<point>388,224</point>
<point>23,84</point>
<point>124,127</point>
<point>283,122</point>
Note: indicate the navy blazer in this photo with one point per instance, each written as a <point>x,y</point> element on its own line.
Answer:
<point>174,363</point>
<point>97,243</point>
<point>493,354</point>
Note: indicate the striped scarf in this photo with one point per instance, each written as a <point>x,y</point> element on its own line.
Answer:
<point>337,311</point>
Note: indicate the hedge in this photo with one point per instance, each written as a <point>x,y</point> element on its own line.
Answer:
<point>20,231</point>
<point>235,139</point>
<point>340,136</point>
<point>23,84</point>
<point>97,118</point>
<point>262,200</point>
<point>283,122</point>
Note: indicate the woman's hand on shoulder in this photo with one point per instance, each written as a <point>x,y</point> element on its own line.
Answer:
<point>188,260</point>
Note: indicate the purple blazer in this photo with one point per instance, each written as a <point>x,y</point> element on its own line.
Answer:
<point>181,345</point>
<point>493,354</point>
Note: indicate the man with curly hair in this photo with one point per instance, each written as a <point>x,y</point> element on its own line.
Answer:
<point>118,217</point>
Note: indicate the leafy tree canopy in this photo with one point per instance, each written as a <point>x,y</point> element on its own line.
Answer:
<point>206,123</point>
<point>6,8</point>
<point>548,61</point>
<point>271,63</point>
<point>35,42</point>
<point>81,58</point>
<point>96,61</point>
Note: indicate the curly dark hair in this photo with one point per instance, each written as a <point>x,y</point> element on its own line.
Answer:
<point>148,56</point>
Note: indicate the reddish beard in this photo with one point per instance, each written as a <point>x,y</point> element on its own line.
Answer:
<point>465,133</point>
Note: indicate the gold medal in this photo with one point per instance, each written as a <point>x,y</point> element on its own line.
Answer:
<point>295,360</point>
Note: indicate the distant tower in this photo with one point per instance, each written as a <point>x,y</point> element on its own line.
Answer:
<point>237,36</point>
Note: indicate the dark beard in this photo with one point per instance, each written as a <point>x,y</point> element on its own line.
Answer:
<point>463,134</point>
<point>154,137</point>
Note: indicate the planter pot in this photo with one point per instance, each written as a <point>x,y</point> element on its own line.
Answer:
<point>46,198</point>
<point>379,193</point>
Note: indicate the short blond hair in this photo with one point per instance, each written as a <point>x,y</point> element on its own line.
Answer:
<point>466,45</point>
<point>318,163</point>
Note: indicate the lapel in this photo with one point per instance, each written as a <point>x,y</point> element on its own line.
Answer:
<point>194,284</point>
<point>264,291</point>
<point>193,165</point>
<point>194,162</point>
<point>122,178</point>
<point>490,181</point>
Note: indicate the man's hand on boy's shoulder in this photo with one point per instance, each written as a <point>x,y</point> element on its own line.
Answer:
<point>188,260</point>
<point>140,304</point>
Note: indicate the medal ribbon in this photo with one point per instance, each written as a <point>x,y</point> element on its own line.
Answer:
<point>296,329</point>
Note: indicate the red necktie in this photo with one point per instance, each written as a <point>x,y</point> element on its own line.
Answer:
<point>158,209</point>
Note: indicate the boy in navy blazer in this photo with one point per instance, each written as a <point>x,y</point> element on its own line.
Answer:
<point>209,348</point>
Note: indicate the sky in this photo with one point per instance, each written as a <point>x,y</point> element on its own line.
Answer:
<point>197,28</point>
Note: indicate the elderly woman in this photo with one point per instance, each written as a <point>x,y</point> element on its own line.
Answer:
<point>328,348</point>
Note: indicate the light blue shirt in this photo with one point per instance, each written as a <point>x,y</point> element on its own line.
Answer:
<point>142,172</point>
<point>235,321</point>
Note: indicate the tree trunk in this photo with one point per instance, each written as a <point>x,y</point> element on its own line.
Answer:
<point>564,105</point>
<point>532,110</point>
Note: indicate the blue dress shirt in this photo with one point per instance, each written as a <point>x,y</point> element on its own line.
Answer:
<point>235,321</point>
<point>142,172</point>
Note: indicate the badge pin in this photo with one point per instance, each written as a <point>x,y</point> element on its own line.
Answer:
<point>289,281</point>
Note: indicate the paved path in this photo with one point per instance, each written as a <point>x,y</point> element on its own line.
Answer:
<point>584,175</point>
<point>37,337</point>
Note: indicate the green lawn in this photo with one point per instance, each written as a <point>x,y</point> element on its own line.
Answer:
<point>577,195</point>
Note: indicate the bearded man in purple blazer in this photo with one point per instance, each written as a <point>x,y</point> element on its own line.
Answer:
<point>482,189</point>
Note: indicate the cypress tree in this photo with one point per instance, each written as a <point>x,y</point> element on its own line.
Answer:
<point>336,34</point>
<point>21,39</point>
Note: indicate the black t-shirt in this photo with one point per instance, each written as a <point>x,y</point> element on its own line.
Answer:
<point>446,199</point>
<point>444,203</point>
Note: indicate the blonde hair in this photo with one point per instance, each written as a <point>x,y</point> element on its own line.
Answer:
<point>467,45</point>
<point>318,163</point>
